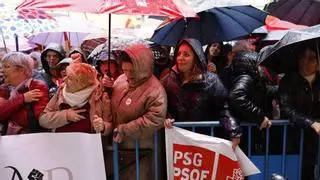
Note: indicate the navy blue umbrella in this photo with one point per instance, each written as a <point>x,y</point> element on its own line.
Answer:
<point>213,25</point>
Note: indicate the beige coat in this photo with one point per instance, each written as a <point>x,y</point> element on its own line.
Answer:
<point>52,117</point>
<point>138,109</point>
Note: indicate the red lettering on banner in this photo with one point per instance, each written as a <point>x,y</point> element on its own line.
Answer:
<point>192,162</point>
<point>196,163</point>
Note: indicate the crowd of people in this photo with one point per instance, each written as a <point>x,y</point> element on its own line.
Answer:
<point>140,90</point>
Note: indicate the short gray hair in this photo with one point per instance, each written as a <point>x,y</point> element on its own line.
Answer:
<point>21,60</point>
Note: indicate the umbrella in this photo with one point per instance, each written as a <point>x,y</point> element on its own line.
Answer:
<point>281,56</point>
<point>22,22</point>
<point>275,28</point>
<point>216,24</point>
<point>118,44</point>
<point>146,7</point>
<point>305,12</point>
<point>175,8</point>
<point>128,34</point>
<point>68,29</point>
<point>202,5</point>
<point>24,44</point>
<point>90,42</point>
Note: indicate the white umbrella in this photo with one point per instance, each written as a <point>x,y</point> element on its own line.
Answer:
<point>24,44</point>
<point>69,29</point>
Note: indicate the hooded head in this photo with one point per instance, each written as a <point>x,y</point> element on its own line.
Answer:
<point>74,51</point>
<point>62,65</point>
<point>245,63</point>
<point>101,64</point>
<point>196,47</point>
<point>141,58</point>
<point>48,54</point>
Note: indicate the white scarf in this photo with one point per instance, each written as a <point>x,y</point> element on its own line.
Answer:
<point>310,78</point>
<point>77,99</point>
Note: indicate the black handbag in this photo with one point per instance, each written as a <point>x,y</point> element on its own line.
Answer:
<point>3,127</point>
<point>33,123</point>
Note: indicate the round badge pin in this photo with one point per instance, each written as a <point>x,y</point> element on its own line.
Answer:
<point>128,101</point>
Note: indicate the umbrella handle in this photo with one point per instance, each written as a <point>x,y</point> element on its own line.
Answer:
<point>17,42</point>
<point>109,46</point>
<point>3,40</point>
<point>318,53</point>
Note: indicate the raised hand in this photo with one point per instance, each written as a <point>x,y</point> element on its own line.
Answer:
<point>98,124</point>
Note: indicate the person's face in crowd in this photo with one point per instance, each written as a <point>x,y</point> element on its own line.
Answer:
<point>308,63</point>
<point>35,63</point>
<point>52,58</point>
<point>12,74</point>
<point>127,68</point>
<point>229,57</point>
<point>72,83</point>
<point>185,58</point>
<point>215,49</point>
<point>63,71</point>
<point>104,68</point>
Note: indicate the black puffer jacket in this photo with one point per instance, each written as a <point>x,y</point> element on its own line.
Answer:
<point>198,100</point>
<point>299,102</point>
<point>248,98</point>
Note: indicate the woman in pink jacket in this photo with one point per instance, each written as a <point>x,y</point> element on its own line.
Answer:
<point>139,107</point>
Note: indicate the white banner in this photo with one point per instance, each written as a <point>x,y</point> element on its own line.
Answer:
<point>195,156</point>
<point>52,156</point>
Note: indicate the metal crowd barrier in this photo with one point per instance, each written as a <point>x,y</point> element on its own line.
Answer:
<point>212,125</point>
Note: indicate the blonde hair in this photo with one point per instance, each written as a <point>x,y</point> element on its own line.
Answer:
<point>85,74</point>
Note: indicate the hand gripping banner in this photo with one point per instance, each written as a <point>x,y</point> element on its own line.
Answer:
<point>199,157</point>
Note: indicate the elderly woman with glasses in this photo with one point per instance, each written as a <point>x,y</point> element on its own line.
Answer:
<point>79,105</point>
<point>22,99</point>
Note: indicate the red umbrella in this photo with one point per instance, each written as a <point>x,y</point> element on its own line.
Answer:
<point>273,23</point>
<point>174,8</point>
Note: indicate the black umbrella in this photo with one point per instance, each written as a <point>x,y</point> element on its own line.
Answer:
<point>213,25</point>
<point>282,57</point>
<point>304,12</point>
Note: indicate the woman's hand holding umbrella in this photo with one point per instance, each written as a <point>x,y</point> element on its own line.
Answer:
<point>107,81</point>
